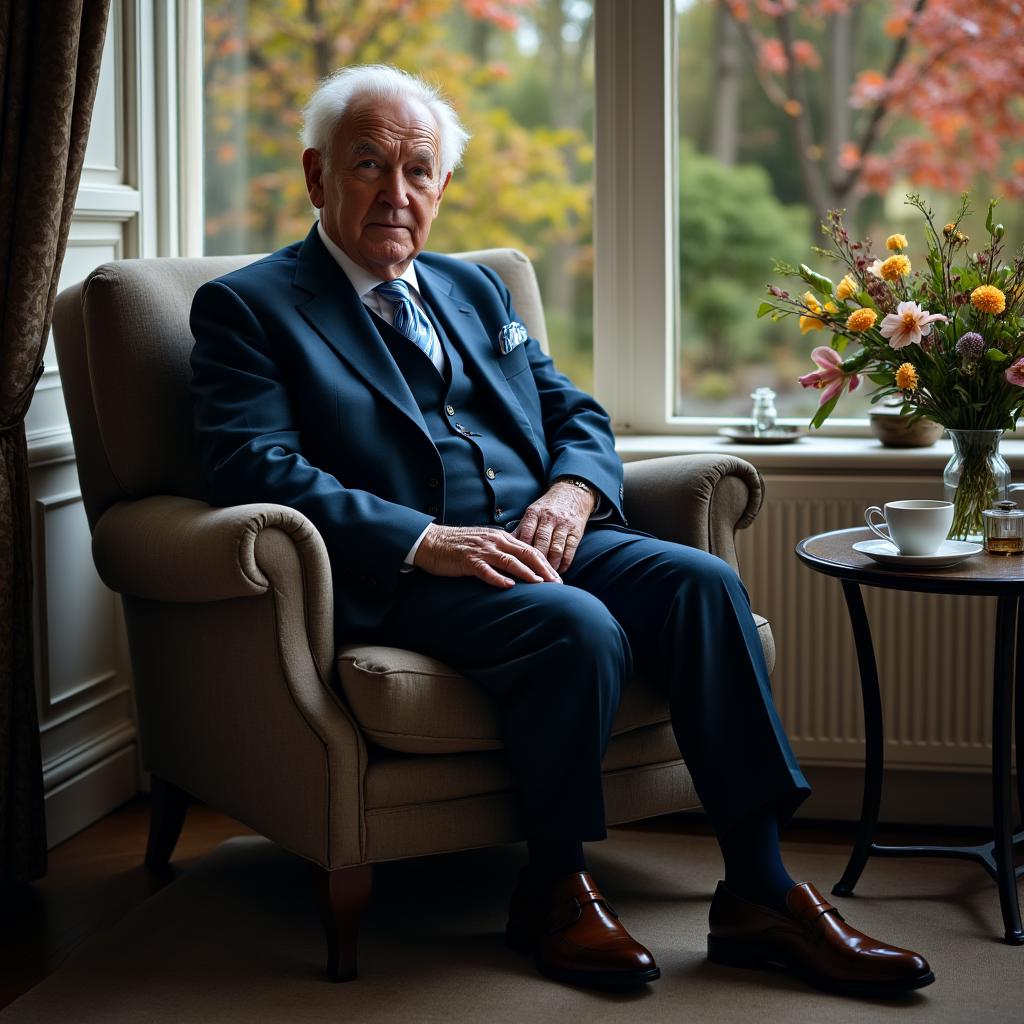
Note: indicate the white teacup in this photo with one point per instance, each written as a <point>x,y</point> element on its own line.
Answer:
<point>916,527</point>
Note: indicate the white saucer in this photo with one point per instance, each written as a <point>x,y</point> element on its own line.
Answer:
<point>950,552</point>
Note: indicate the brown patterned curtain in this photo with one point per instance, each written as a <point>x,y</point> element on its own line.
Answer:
<point>50,54</point>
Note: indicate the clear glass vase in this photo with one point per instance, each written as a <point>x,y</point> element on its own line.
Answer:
<point>975,478</point>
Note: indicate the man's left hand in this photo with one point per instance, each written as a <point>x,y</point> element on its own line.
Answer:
<point>555,522</point>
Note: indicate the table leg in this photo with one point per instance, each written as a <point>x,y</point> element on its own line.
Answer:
<point>1007,628</point>
<point>874,739</point>
<point>1018,707</point>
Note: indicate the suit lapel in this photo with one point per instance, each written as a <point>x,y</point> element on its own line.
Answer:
<point>465,329</point>
<point>334,310</point>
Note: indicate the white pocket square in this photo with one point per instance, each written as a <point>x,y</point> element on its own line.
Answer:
<point>511,336</point>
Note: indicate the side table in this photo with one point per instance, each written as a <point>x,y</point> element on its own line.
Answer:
<point>983,575</point>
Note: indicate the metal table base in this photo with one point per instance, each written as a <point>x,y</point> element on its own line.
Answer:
<point>997,856</point>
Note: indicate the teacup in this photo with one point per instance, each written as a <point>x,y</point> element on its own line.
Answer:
<point>916,527</point>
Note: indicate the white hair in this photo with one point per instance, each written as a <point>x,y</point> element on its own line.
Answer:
<point>334,94</point>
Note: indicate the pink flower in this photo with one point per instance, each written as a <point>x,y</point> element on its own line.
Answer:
<point>1015,374</point>
<point>830,378</point>
<point>908,325</point>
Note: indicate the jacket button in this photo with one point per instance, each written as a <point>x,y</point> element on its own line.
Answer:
<point>490,473</point>
<point>433,482</point>
<point>498,513</point>
<point>432,510</point>
<point>450,409</point>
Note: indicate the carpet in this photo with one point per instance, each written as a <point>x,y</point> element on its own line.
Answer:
<point>237,939</point>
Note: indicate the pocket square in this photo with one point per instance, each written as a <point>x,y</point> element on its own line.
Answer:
<point>511,336</point>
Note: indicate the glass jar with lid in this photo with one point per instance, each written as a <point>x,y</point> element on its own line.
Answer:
<point>1003,526</point>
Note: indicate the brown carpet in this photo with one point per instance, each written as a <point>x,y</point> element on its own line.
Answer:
<point>238,939</point>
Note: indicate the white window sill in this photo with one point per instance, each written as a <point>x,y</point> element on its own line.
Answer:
<point>811,453</point>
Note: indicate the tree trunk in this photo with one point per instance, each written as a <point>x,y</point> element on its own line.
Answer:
<point>728,67</point>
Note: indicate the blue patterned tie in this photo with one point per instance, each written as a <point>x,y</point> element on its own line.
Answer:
<point>410,320</point>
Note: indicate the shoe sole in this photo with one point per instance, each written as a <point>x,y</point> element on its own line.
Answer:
<point>741,954</point>
<point>521,943</point>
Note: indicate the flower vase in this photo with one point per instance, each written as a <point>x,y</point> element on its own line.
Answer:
<point>975,478</point>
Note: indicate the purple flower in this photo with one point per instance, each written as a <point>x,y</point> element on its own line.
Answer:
<point>971,346</point>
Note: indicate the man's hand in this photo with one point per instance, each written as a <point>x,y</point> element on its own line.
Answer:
<point>482,551</point>
<point>554,523</point>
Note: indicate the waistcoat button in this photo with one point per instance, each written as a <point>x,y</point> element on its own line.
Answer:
<point>432,510</point>
<point>450,409</point>
<point>433,482</point>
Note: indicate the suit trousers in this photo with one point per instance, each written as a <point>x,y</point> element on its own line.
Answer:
<point>556,657</point>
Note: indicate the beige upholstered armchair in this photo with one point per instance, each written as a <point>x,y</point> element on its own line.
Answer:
<point>345,757</point>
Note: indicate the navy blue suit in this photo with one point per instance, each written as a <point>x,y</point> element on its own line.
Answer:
<point>304,398</point>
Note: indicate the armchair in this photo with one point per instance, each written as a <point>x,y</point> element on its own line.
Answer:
<point>345,757</point>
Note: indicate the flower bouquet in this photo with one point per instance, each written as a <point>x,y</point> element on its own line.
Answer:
<point>947,338</point>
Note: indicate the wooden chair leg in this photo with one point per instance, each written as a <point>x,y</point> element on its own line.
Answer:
<point>167,815</point>
<point>342,894</point>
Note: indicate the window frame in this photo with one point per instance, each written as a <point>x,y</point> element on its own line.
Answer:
<point>636,202</point>
<point>636,217</point>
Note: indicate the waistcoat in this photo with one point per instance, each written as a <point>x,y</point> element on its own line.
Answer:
<point>487,482</point>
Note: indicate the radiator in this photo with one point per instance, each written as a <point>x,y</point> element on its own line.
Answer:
<point>934,652</point>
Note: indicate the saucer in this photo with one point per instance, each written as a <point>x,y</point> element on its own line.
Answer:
<point>777,435</point>
<point>950,552</point>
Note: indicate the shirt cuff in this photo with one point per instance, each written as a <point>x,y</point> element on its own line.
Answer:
<point>410,558</point>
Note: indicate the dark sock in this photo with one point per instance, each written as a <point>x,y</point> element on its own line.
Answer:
<point>553,859</point>
<point>753,860</point>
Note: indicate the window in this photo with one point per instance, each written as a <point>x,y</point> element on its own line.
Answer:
<point>520,73</point>
<point>833,104</point>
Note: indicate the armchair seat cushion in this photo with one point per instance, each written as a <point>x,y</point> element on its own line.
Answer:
<point>414,704</point>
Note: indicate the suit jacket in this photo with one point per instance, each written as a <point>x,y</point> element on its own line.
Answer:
<point>297,401</point>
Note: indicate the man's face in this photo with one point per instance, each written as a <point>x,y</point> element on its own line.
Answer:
<point>382,190</point>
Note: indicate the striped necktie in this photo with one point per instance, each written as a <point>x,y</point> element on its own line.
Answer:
<point>410,320</point>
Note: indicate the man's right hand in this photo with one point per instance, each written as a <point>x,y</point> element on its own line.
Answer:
<point>491,555</point>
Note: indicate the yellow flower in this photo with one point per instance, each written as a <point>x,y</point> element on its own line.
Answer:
<point>988,299</point>
<point>894,243</point>
<point>846,289</point>
<point>894,268</point>
<point>906,377</point>
<point>811,323</point>
<point>831,307</point>
<point>862,319</point>
<point>811,302</point>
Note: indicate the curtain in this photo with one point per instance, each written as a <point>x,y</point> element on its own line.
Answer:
<point>50,54</point>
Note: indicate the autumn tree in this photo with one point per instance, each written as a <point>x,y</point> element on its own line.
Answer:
<point>937,105</point>
<point>526,177</point>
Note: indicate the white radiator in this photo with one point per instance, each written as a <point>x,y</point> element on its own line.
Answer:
<point>934,652</point>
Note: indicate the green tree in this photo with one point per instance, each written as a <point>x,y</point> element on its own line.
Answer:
<point>731,227</point>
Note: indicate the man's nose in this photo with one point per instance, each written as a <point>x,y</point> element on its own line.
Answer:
<point>395,190</point>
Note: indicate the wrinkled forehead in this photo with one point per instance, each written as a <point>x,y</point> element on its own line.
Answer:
<point>372,124</point>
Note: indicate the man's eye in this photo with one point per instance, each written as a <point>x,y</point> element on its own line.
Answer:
<point>367,163</point>
<point>421,172</point>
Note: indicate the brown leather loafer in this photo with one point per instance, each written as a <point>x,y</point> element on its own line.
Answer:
<point>814,942</point>
<point>576,936</point>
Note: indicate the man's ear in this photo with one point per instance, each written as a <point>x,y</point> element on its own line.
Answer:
<point>313,168</point>
<point>440,193</point>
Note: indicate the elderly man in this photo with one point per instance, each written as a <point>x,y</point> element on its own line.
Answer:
<point>470,499</point>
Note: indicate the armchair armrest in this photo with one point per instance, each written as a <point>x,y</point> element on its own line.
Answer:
<point>699,500</point>
<point>180,550</point>
<point>229,614</point>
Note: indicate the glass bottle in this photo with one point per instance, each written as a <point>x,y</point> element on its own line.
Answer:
<point>764,414</point>
<point>1004,529</point>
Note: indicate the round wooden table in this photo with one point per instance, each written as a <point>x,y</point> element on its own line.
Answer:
<point>982,575</point>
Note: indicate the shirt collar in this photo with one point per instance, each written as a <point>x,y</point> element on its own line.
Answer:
<point>361,279</point>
